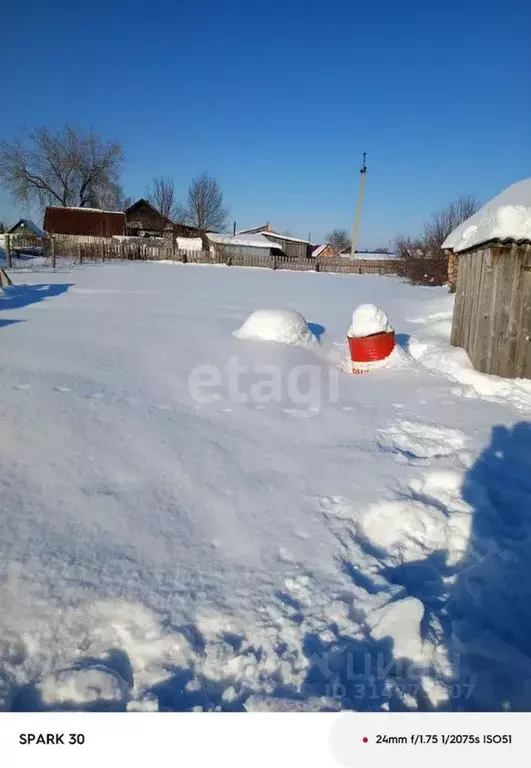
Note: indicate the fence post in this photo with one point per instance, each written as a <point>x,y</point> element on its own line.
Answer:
<point>8,250</point>
<point>317,265</point>
<point>103,246</point>
<point>79,253</point>
<point>52,250</point>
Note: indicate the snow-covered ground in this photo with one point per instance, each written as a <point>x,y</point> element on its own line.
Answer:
<point>195,520</point>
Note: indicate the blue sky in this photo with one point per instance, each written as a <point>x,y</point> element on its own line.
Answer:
<point>278,100</point>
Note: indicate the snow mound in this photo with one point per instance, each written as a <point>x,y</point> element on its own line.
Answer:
<point>368,319</point>
<point>284,326</point>
<point>506,217</point>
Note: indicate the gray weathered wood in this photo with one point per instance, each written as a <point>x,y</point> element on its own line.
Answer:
<point>492,312</point>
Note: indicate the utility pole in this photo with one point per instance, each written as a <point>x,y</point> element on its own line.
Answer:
<point>355,229</point>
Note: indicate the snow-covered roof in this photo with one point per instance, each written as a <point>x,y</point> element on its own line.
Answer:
<point>317,251</point>
<point>247,241</point>
<point>506,217</point>
<point>28,224</point>
<point>83,208</point>
<point>253,230</point>
<point>271,233</point>
<point>285,237</point>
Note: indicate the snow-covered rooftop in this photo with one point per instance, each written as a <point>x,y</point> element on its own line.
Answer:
<point>28,224</point>
<point>246,241</point>
<point>317,251</point>
<point>285,237</point>
<point>506,217</point>
<point>265,231</point>
<point>83,208</point>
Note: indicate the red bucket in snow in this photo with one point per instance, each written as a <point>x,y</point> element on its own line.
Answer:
<point>370,349</point>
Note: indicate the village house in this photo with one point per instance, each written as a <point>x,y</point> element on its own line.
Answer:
<point>144,220</point>
<point>292,247</point>
<point>242,245</point>
<point>324,251</point>
<point>27,229</point>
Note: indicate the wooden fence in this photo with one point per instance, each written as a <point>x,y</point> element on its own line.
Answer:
<point>63,249</point>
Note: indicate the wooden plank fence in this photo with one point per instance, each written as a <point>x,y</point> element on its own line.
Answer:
<point>60,249</point>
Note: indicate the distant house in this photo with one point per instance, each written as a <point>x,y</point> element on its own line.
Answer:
<point>144,220</point>
<point>27,228</point>
<point>290,246</point>
<point>88,222</point>
<point>242,245</point>
<point>323,251</point>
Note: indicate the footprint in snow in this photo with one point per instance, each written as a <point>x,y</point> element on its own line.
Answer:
<point>22,387</point>
<point>62,389</point>
<point>418,440</point>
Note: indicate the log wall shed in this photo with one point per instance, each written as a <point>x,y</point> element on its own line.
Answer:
<point>492,313</point>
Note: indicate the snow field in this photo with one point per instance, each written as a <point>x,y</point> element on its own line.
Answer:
<point>160,553</point>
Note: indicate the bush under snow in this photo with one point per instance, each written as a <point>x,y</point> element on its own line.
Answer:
<point>284,326</point>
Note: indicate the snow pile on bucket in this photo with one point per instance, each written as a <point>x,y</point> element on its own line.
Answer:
<point>281,325</point>
<point>368,319</point>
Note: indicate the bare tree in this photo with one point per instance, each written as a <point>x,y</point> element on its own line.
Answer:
<point>65,168</point>
<point>112,198</point>
<point>444,221</point>
<point>423,260</point>
<point>204,206</point>
<point>338,239</point>
<point>161,194</point>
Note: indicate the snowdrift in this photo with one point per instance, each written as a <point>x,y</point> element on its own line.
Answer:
<point>283,326</point>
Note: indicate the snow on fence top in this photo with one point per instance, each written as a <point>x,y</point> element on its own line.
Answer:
<point>506,217</point>
<point>247,241</point>
<point>369,256</point>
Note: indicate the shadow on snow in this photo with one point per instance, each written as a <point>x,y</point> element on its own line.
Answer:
<point>18,296</point>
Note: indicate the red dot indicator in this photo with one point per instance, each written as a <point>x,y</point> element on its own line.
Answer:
<point>365,739</point>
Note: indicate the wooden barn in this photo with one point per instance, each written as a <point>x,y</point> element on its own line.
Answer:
<point>88,222</point>
<point>292,247</point>
<point>492,313</point>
